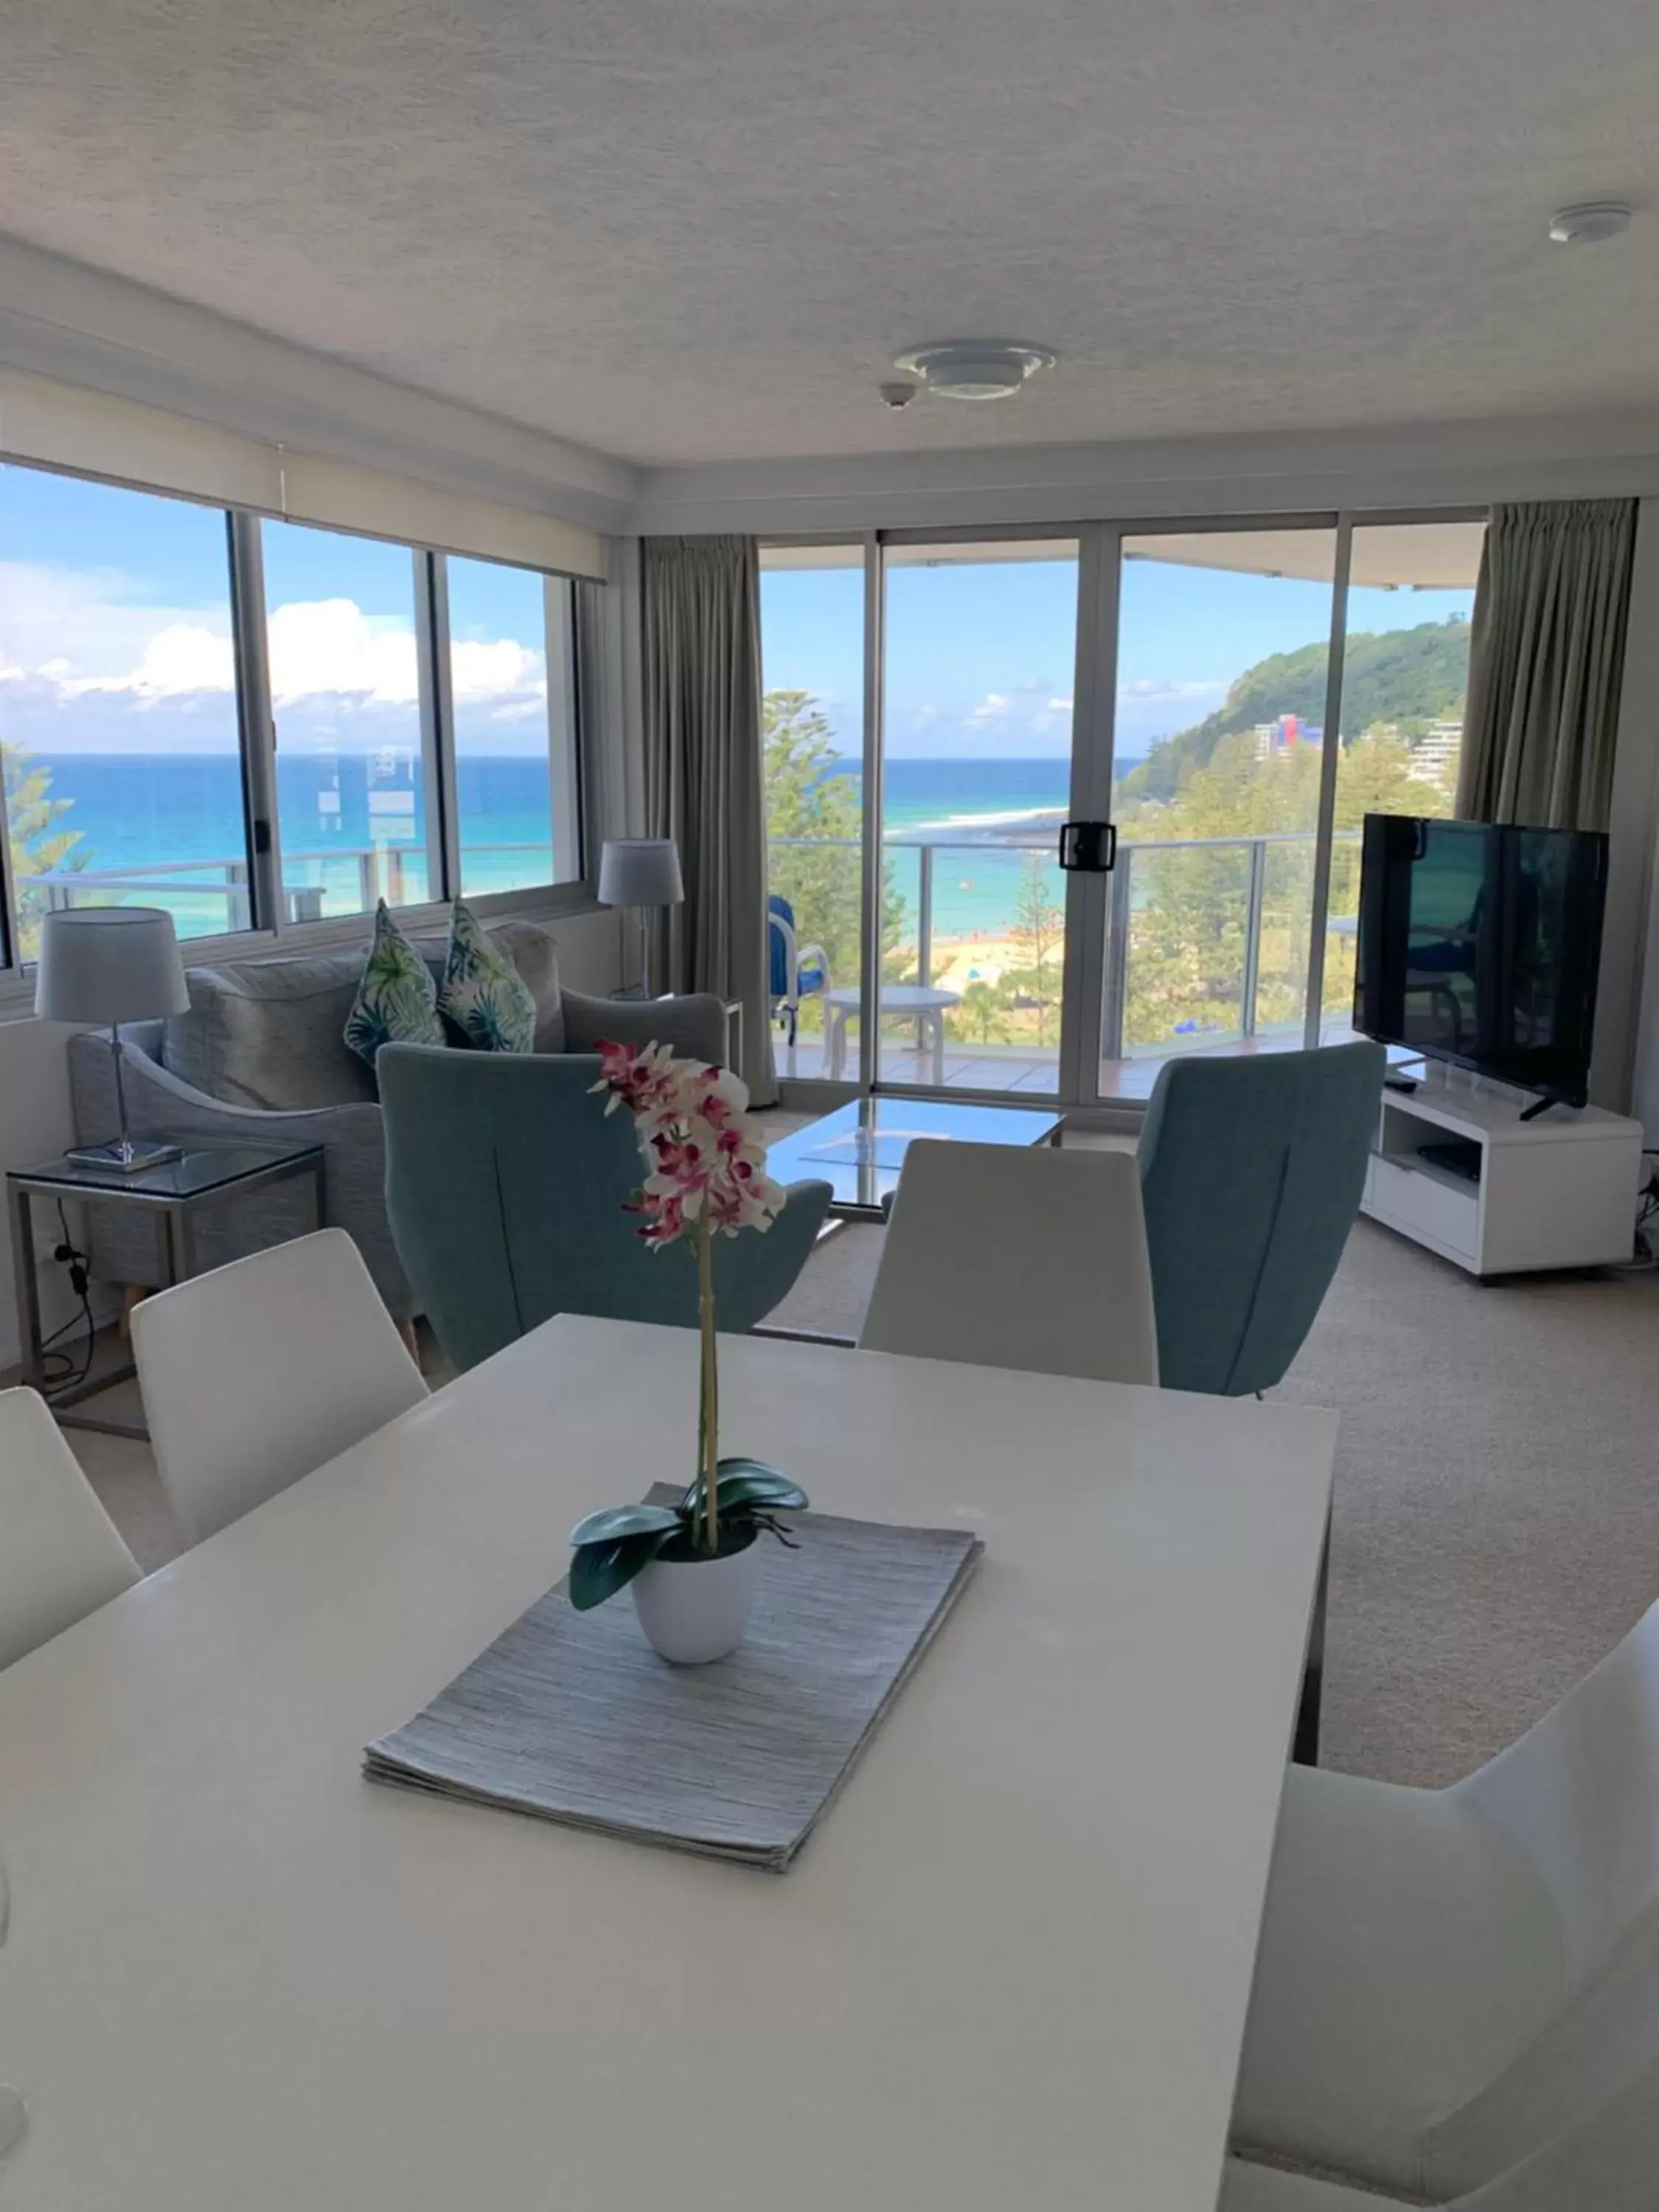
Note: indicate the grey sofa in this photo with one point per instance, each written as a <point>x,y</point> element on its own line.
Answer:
<point>261,1057</point>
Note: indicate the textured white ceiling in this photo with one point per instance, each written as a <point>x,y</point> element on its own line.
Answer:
<point>690,230</point>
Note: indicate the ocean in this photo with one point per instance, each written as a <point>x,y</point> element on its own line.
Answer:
<point>971,811</point>
<point>135,810</point>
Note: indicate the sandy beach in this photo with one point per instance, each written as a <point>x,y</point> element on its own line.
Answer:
<point>959,961</point>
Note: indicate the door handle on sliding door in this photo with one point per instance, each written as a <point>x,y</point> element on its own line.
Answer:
<point>1088,848</point>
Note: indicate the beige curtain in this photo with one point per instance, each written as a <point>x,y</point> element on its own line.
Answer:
<point>700,636</point>
<point>1546,659</point>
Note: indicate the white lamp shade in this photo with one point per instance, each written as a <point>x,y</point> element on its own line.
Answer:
<point>109,964</point>
<point>641,871</point>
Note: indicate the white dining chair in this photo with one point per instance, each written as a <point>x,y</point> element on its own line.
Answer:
<point>1608,2162</point>
<point>1449,1979</point>
<point>60,1555</point>
<point>1007,1257</point>
<point>257,1372</point>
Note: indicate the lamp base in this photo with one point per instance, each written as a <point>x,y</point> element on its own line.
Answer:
<point>125,1156</point>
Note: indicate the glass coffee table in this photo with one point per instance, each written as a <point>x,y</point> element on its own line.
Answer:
<point>859,1149</point>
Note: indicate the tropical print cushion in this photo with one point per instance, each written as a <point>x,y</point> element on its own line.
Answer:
<point>396,1000</point>
<point>482,993</point>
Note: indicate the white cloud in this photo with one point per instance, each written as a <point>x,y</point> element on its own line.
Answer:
<point>1060,706</point>
<point>496,671</point>
<point>331,645</point>
<point>990,708</point>
<point>78,634</point>
<point>85,623</point>
<point>1153,689</point>
<point>182,658</point>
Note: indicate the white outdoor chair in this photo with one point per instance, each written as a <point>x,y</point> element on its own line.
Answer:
<point>1609,2162</point>
<point>1449,1979</point>
<point>257,1373</point>
<point>1005,1257</point>
<point>60,1556</point>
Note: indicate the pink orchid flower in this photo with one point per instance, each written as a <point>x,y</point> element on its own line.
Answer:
<point>704,1163</point>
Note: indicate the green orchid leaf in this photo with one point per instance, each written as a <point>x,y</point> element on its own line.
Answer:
<point>599,1571</point>
<point>740,1493</point>
<point>744,1483</point>
<point>616,1521</point>
<point>740,1463</point>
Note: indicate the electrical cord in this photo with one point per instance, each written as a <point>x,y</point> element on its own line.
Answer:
<point>59,1372</point>
<point>1647,1241</point>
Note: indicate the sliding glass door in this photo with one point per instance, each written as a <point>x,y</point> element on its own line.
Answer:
<point>1233,699</point>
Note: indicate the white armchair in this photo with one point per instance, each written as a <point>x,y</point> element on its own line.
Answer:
<point>1607,2163</point>
<point>1449,1980</point>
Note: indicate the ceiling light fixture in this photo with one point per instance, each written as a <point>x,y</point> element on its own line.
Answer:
<point>1589,222</point>
<point>975,369</point>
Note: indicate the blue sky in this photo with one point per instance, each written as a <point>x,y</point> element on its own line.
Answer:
<point>115,632</point>
<point>980,655</point>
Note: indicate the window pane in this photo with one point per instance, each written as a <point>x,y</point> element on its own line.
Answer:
<point>1224,656</point>
<point>1405,671</point>
<point>982,649</point>
<point>118,731</point>
<point>345,689</point>
<point>513,763</point>
<point>812,667</point>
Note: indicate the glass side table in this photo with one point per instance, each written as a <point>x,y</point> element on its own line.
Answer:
<point>171,1192</point>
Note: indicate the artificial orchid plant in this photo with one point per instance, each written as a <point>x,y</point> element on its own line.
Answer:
<point>705,1177</point>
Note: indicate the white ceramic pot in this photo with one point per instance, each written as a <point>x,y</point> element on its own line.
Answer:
<point>694,1610</point>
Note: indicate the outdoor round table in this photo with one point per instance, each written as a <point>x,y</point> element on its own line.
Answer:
<point>925,1007</point>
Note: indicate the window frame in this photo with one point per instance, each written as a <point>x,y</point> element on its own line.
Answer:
<point>574,611</point>
<point>567,766</point>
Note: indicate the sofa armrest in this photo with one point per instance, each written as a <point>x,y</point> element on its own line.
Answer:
<point>693,1025</point>
<point>160,1104</point>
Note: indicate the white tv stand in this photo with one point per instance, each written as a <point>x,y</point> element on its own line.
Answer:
<point>1558,1191</point>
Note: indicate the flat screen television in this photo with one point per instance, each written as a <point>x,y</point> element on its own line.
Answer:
<point>1479,944</point>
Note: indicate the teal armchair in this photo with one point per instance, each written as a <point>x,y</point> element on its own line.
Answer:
<point>1252,1171</point>
<point>506,1185</point>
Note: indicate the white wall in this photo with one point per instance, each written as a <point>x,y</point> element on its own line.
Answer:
<point>35,1121</point>
<point>34,1125</point>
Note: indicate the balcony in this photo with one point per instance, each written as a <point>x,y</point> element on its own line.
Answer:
<point>211,898</point>
<point>1206,943</point>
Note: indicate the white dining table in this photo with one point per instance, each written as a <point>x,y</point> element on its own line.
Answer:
<point>1009,1973</point>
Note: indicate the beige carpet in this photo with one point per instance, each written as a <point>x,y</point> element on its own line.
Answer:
<point>1497,1525</point>
<point>1497,1521</point>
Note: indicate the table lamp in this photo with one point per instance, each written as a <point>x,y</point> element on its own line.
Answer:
<point>110,965</point>
<point>641,871</point>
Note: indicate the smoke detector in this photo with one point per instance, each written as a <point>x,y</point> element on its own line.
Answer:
<point>974,368</point>
<point>1589,222</point>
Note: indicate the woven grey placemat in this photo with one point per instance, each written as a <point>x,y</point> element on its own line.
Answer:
<point>572,1716</point>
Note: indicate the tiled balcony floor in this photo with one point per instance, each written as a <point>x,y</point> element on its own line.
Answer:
<point>992,1068</point>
